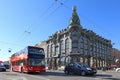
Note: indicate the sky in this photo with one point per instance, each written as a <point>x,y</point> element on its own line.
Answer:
<point>27,22</point>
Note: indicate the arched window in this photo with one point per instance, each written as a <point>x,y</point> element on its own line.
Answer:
<point>74,38</point>
<point>52,50</point>
<point>74,32</point>
<point>81,51</point>
<point>67,60</point>
<point>67,43</point>
<point>81,40</point>
<point>48,51</point>
<point>62,46</point>
<point>85,40</point>
<point>67,46</point>
<point>74,44</point>
<point>81,45</point>
<point>57,50</point>
<point>62,61</point>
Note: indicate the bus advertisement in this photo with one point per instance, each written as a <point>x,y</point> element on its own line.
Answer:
<point>30,60</point>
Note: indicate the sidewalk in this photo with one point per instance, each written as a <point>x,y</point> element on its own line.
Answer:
<point>106,71</point>
<point>98,71</point>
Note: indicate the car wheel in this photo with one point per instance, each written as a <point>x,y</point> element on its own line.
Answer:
<point>83,73</point>
<point>118,70</point>
<point>5,70</point>
<point>66,72</point>
<point>0,69</point>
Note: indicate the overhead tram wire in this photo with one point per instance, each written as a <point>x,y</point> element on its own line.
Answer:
<point>43,14</point>
<point>30,26</point>
<point>26,33</point>
<point>28,30</point>
<point>60,4</point>
<point>63,3</point>
<point>8,43</point>
<point>86,18</point>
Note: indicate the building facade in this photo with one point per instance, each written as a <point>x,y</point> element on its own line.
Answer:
<point>116,59</point>
<point>76,44</point>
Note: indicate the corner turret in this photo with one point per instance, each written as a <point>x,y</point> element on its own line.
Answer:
<point>74,19</point>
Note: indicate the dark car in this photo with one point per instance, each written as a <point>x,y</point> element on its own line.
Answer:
<point>79,68</point>
<point>2,68</point>
<point>7,66</point>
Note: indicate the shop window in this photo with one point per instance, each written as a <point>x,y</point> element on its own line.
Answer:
<point>62,60</point>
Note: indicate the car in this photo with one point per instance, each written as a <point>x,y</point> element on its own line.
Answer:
<point>7,66</point>
<point>2,68</point>
<point>79,68</point>
<point>118,69</point>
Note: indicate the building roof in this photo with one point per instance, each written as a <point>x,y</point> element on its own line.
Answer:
<point>74,19</point>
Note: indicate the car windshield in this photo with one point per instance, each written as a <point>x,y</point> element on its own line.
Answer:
<point>82,65</point>
<point>2,66</point>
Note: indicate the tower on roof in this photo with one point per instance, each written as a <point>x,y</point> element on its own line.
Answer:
<point>74,19</point>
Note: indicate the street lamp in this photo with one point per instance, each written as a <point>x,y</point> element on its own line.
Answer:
<point>9,50</point>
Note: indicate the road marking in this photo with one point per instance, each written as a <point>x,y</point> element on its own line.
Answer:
<point>40,77</point>
<point>34,76</point>
<point>13,78</point>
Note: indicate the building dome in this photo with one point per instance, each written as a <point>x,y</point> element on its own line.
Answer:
<point>74,19</point>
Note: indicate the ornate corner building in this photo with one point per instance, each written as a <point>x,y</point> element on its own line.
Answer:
<point>76,44</point>
<point>116,57</point>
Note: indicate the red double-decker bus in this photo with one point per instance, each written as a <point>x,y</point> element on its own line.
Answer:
<point>29,60</point>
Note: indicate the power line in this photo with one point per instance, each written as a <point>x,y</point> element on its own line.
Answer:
<point>57,8</point>
<point>41,15</point>
<point>29,28</point>
<point>27,31</point>
<point>86,18</point>
<point>8,43</point>
<point>63,3</point>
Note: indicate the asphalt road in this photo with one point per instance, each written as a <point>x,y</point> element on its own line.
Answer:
<point>58,75</point>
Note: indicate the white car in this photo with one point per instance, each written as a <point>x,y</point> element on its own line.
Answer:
<point>117,69</point>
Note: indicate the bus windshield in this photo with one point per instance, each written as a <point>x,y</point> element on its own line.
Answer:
<point>35,51</point>
<point>37,62</point>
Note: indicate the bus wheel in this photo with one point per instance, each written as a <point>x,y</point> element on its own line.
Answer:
<point>21,70</point>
